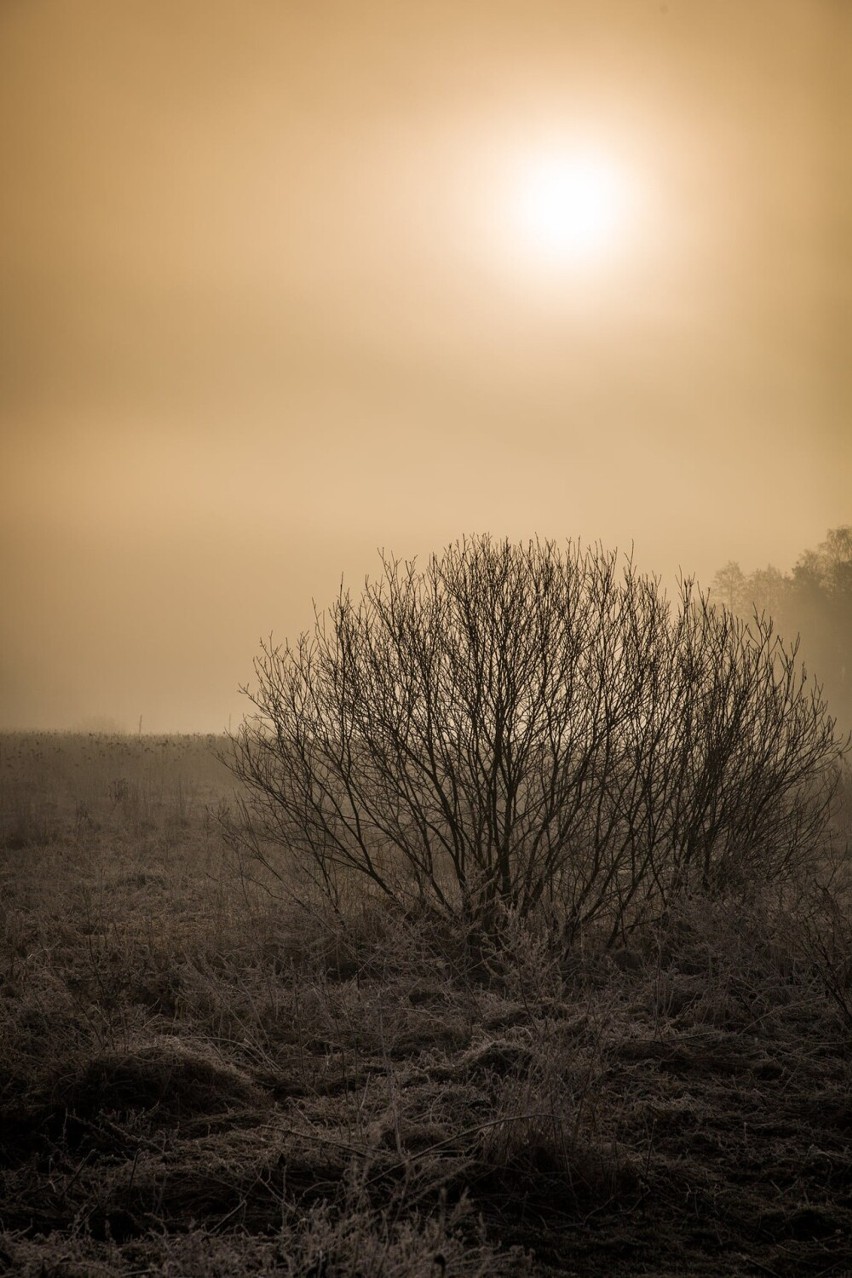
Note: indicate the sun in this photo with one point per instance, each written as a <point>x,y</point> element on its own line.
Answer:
<point>570,207</point>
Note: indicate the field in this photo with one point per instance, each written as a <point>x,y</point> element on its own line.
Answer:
<point>198,1079</point>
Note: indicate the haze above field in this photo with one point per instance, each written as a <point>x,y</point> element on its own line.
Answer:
<point>281,284</point>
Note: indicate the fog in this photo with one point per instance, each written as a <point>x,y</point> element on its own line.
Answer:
<point>265,308</point>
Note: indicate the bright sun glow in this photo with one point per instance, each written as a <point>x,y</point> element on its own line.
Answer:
<point>570,207</point>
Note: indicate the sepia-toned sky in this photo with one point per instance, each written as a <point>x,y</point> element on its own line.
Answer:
<point>269,302</point>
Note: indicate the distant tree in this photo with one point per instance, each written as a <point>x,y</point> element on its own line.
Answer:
<point>814,601</point>
<point>730,586</point>
<point>520,727</point>
<point>822,603</point>
<point>767,591</point>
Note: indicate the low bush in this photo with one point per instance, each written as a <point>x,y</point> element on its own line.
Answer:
<point>527,729</point>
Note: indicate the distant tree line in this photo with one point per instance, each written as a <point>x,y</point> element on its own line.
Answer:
<point>813,601</point>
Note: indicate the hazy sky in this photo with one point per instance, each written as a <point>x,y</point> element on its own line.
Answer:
<point>278,287</point>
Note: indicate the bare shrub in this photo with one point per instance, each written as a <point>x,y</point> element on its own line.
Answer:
<point>823,931</point>
<point>521,727</point>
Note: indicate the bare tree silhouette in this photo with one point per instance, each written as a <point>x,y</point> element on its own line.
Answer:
<point>528,728</point>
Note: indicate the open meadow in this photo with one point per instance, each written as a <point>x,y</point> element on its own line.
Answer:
<point>196,1078</point>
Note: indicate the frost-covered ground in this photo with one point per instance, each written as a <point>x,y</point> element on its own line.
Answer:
<point>196,1079</point>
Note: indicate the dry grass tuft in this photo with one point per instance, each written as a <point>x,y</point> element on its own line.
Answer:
<point>167,1078</point>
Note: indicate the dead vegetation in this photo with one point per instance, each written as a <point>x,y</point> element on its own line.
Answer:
<point>196,1080</point>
